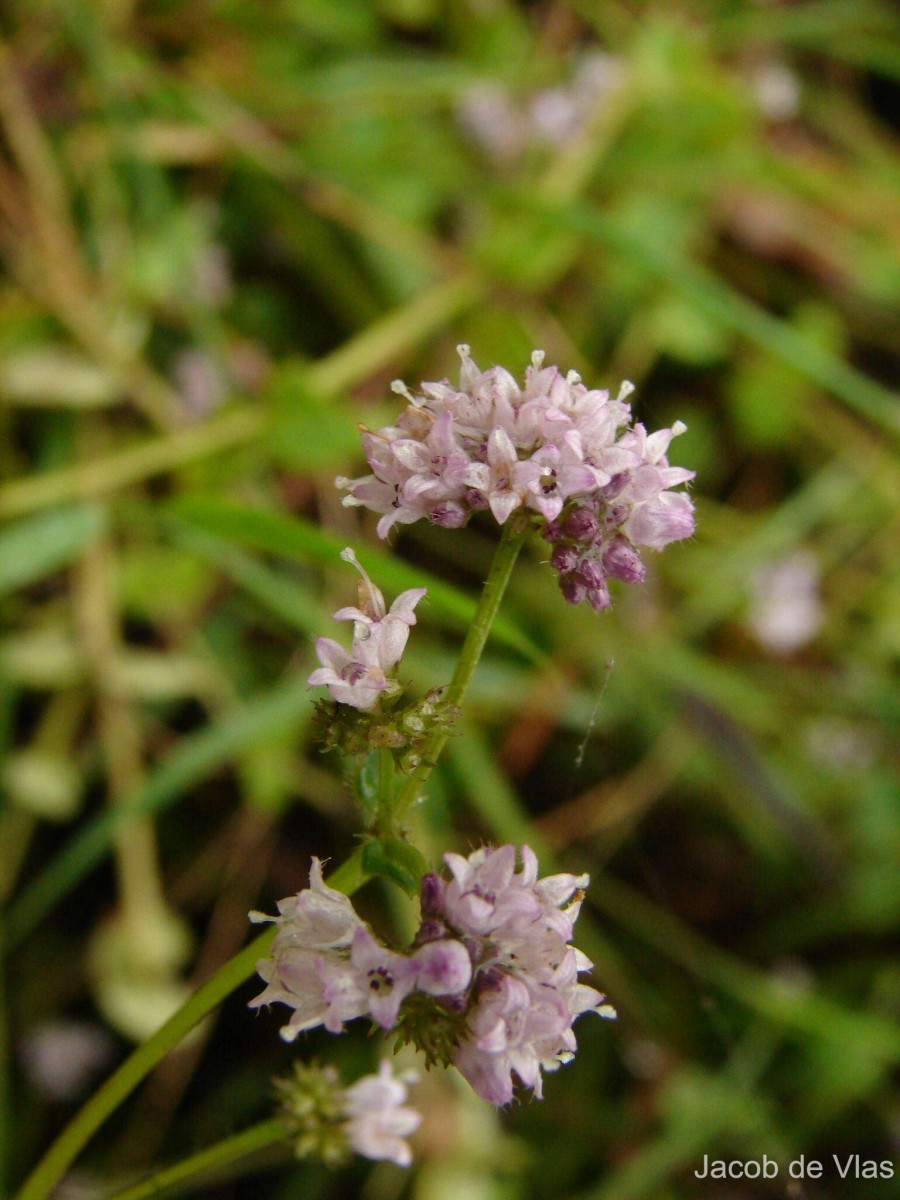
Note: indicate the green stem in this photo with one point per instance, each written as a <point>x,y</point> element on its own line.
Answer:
<point>229,1150</point>
<point>511,539</point>
<point>139,1064</point>
<point>386,789</point>
<point>349,876</point>
<point>39,1185</point>
<point>347,879</point>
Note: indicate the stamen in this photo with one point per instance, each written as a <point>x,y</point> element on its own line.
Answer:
<point>371,600</point>
<point>401,389</point>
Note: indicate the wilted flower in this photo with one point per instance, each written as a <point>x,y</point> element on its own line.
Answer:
<point>596,488</point>
<point>360,676</point>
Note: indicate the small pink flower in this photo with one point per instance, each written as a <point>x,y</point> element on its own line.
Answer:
<point>348,676</point>
<point>377,1119</point>
<point>360,676</point>
<point>317,918</point>
<point>668,517</point>
<point>385,978</point>
<point>558,473</point>
<point>444,968</point>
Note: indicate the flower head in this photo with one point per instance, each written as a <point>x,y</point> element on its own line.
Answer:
<point>552,448</point>
<point>490,984</point>
<point>525,994</point>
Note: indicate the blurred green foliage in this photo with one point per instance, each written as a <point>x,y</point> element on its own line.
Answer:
<point>224,229</point>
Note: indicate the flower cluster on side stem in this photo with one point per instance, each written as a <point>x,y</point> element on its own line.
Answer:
<point>330,1122</point>
<point>490,983</point>
<point>598,489</point>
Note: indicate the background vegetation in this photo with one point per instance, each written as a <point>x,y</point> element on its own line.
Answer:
<point>225,227</point>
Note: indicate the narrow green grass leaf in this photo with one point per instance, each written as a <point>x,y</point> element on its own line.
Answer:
<point>725,306</point>
<point>273,589</point>
<point>40,545</point>
<point>195,759</point>
<point>294,537</point>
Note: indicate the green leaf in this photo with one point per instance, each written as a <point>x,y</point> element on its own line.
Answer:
<point>394,859</point>
<point>726,307</point>
<point>293,537</point>
<point>309,433</point>
<point>194,759</point>
<point>40,545</point>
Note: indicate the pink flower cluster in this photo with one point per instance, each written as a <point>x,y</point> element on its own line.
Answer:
<point>525,993</point>
<point>493,950</point>
<point>361,675</point>
<point>329,969</point>
<point>597,488</point>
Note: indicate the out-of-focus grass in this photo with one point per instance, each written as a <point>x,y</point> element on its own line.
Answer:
<point>224,228</point>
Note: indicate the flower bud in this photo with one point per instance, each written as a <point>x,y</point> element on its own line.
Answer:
<point>564,558</point>
<point>581,525</point>
<point>599,598</point>
<point>431,930</point>
<point>616,485</point>
<point>553,531</point>
<point>432,895</point>
<point>449,515</point>
<point>489,980</point>
<point>615,516</point>
<point>623,562</point>
<point>572,588</point>
<point>591,573</point>
<point>445,968</point>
